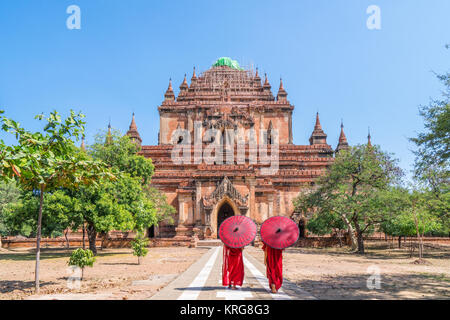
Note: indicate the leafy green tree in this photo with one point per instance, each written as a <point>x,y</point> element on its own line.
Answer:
<point>20,217</point>
<point>9,194</point>
<point>120,153</point>
<point>412,216</point>
<point>351,191</point>
<point>125,203</point>
<point>139,245</point>
<point>82,258</point>
<point>329,223</point>
<point>433,145</point>
<point>164,211</point>
<point>432,152</point>
<point>47,160</point>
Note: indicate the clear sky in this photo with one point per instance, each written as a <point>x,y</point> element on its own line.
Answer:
<point>121,59</point>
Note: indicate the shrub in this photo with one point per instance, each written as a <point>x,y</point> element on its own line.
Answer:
<point>82,258</point>
<point>139,246</point>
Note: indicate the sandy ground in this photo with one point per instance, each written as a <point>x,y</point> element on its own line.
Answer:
<point>330,273</point>
<point>335,273</point>
<point>115,275</point>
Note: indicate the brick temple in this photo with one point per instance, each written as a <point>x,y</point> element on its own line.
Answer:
<point>227,97</point>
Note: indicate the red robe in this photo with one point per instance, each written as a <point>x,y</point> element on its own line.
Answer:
<point>274,266</point>
<point>233,266</point>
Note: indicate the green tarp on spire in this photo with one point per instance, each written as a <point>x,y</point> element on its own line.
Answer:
<point>225,61</point>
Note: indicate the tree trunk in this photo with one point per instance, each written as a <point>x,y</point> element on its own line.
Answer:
<point>421,246</point>
<point>84,235</point>
<point>340,238</point>
<point>139,260</point>
<point>92,236</point>
<point>103,235</point>
<point>419,238</point>
<point>67,239</point>
<point>82,273</point>
<point>351,234</point>
<point>38,241</point>
<point>360,244</point>
<point>400,242</point>
<point>360,239</point>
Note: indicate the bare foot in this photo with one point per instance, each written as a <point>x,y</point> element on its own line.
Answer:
<point>234,288</point>
<point>274,290</point>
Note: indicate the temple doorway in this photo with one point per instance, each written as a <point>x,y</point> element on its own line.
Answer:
<point>225,211</point>
<point>151,232</point>
<point>301,227</point>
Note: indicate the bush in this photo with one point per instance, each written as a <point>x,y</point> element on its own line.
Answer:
<point>139,246</point>
<point>82,258</point>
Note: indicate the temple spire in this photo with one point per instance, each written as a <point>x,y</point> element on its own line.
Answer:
<point>282,94</point>
<point>193,79</point>
<point>184,85</point>
<point>318,136</point>
<point>317,126</point>
<point>257,79</point>
<point>369,142</point>
<point>343,144</point>
<point>267,87</point>
<point>169,95</point>
<point>83,146</point>
<point>133,132</point>
<point>109,139</point>
<point>266,82</point>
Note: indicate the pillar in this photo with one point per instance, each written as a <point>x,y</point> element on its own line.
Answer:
<point>270,199</point>
<point>198,197</point>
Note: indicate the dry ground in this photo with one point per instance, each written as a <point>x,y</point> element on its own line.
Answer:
<point>328,273</point>
<point>335,273</point>
<point>115,274</point>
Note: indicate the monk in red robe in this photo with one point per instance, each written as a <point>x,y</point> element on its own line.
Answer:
<point>233,267</point>
<point>273,259</point>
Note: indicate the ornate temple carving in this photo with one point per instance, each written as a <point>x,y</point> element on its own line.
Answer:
<point>225,188</point>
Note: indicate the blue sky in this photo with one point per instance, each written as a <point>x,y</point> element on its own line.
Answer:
<point>126,51</point>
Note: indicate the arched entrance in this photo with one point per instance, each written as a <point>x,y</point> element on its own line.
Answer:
<point>151,232</point>
<point>225,211</point>
<point>301,227</point>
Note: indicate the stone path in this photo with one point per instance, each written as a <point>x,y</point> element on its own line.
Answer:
<point>202,281</point>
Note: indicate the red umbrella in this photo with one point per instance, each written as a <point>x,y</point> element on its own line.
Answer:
<point>237,231</point>
<point>279,232</point>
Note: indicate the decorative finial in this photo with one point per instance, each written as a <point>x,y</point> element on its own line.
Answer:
<point>83,146</point>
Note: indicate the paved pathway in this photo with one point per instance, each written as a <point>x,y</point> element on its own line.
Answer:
<point>203,281</point>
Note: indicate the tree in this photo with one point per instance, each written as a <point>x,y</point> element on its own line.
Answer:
<point>164,211</point>
<point>9,194</point>
<point>330,222</point>
<point>412,216</point>
<point>82,258</point>
<point>432,152</point>
<point>125,203</point>
<point>20,217</point>
<point>139,245</point>
<point>433,145</point>
<point>47,161</point>
<point>351,191</point>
